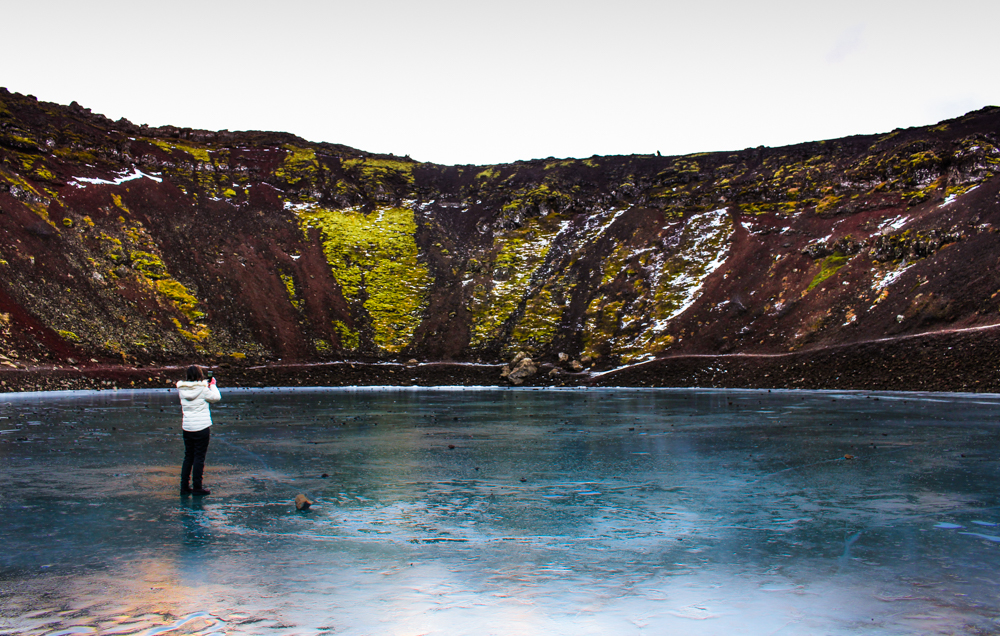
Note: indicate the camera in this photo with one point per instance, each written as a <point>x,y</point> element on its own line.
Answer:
<point>209,374</point>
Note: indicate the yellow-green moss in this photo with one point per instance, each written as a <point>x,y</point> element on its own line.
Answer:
<point>521,251</point>
<point>179,295</point>
<point>830,266</point>
<point>537,196</point>
<point>39,206</point>
<point>299,163</point>
<point>959,190</point>
<point>349,339</point>
<point>377,177</point>
<point>43,173</point>
<point>601,323</point>
<point>780,207</point>
<point>149,265</point>
<point>118,203</point>
<point>538,324</point>
<point>68,335</point>
<point>828,203</point>
<point>289,283</point>
<point>487,175</point>
<point>198,335</point>
<point>199,153</point>
<point>377,264</point>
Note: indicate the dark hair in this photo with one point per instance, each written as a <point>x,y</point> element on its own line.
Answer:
<point>194,373</point>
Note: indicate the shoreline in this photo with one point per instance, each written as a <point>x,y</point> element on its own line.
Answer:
<point>946,361</point>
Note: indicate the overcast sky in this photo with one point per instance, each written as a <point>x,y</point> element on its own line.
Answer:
<point>462,81</point>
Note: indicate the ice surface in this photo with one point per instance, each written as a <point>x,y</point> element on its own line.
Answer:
<point>517,511</point>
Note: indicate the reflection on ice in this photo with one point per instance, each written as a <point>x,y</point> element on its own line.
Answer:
<point>503,511</point>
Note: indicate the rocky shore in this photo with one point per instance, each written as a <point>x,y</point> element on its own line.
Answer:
<point>957,360</point>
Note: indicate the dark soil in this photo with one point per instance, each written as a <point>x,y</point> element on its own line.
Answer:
<point>960,361</point>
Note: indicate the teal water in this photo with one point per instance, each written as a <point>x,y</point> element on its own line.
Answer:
<point>520,511</point>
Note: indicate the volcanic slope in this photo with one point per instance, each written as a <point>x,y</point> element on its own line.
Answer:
<point>151,246</point>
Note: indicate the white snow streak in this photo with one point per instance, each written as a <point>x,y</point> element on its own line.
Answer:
<point>889,278</point>
<point>893,223</point>
<point>123,177</point>
<point>690,285</point>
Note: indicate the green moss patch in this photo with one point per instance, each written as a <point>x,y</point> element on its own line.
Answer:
<point>289,283</point>
<point>376,261</point>
<point>349,339</point>
<point>299,164</point>
<point>830,266</point>
<point>197,152</point>
<point>521,252</point>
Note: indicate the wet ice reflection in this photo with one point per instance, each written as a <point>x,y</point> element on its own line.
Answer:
<point>503,511</point>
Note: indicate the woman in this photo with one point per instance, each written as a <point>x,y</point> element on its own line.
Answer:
<point>196,393</point>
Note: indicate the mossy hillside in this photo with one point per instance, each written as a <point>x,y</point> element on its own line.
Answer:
<point>29,195</point>
<point>380,180</point>
<point>136,249</point>
<point>602,322</point>
<point>299,166</point>
<point>543,198</point>
<point>538,324</point>
<point>661,280</point>
<point>678,278</point>
<point>114,313</point>
<point>198,153</point>
<point>619,296</point>
<point>200,167</point>
<point>857,186</point>
<point>376,262</point>
<point>519,253</point>
<point>546,304</point>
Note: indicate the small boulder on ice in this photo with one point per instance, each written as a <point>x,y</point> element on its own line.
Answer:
<point>302,502</point>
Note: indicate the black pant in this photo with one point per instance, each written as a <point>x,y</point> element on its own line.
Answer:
<point>195,448</point>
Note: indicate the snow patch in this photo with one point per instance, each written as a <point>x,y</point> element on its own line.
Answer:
<point>893,223</point>
<point>951,197</point>
<point>689,285</point>
<point>889,278</point>
<point>122,178</point>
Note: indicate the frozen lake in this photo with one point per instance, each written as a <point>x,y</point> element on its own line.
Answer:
<point>519,511</point>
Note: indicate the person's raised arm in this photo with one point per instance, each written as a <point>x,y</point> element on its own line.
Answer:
<point>213,394</point>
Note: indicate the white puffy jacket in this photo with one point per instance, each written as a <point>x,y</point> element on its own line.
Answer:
<point>195,397</point>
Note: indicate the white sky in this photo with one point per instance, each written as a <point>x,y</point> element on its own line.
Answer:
<point>465,81</point>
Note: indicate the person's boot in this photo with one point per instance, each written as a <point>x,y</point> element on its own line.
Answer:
<point>201,491</point>
<point>185,489</point>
